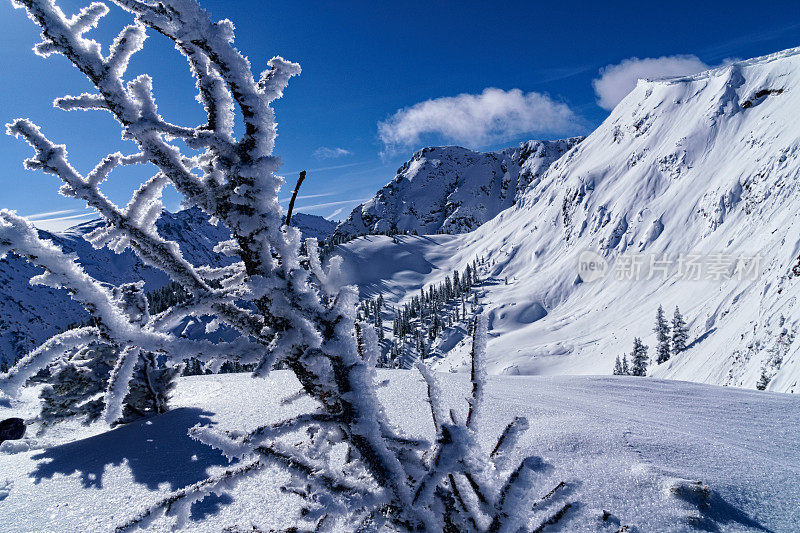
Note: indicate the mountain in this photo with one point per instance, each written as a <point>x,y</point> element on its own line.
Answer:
<point>449,189</point>
<point>314,226</point>
<point>708,165</point>
<point>31,314</point>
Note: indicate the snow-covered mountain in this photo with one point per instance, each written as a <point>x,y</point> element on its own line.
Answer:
<point>449,189</point>
<point>313,226</point>
<point>707,164</point>
<point>31,314</point>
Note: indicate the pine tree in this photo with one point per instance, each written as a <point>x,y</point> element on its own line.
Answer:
<point>626,371</point>
<point>76,387</point>
<point>638,358</point>
<point>763,381</point>
<point>379,317</point>
<point>618,367</point>
<point>680,332</point>
<point>193,368</point>
<point>662,336</point>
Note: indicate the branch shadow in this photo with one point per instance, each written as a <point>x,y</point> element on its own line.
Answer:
<point>157,451</point>
<point>714,510</point>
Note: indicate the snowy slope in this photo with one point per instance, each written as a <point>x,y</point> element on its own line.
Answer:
<point>451,189</point>
<point>31,314</point>
<point>706,164</point>
<point>629,446</point>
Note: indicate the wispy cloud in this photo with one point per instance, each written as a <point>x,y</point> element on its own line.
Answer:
<point>475,119</point>
<point>335,213</point>
<point>323,152</point>
<point>547,75</point>
<point>616,81</point>
<point>387,171</point>
<point>737,45</point>
<point>322,169</point>
<point>330,204</point>
<point>37,216</point>
<point>55,224</point>
<point>306,196</point>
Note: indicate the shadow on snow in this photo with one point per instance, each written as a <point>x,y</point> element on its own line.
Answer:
<point>157,451</point>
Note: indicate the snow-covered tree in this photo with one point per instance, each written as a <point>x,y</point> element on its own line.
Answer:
<point>281,301</point>
<point>193,368</point>
<point>638,358</point>
<point>680,332</point>
<point>76,386</point>
<point>433,312</point>
<point>618,367</point>
<point>621,366</point>
<point>662,337</point>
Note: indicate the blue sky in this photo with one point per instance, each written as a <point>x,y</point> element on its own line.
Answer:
<point>381,80</point>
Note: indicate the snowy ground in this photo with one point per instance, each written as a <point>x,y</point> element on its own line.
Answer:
<point>631,446</point>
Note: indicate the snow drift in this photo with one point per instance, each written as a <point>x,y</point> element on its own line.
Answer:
<point>624,462</point>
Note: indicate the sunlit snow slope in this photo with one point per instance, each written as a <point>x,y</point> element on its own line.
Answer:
<point>706,164</point>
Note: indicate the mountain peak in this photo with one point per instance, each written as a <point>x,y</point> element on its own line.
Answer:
<point>451,189</point>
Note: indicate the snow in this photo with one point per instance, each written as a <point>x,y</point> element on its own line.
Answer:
<point>706,164</point>
<point>634,447</point>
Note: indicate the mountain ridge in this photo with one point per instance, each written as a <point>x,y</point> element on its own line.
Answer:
<point>31,314</point>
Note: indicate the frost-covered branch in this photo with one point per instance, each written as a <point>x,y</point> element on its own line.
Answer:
<point>501,454</point>
<point>179,503</point>
<point>118,383</point>
<point>52,349</point>
<point>280,300</point>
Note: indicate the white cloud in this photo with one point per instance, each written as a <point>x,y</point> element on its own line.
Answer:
<point>48,214</point>
<point>323,152</point>
<point>476,119</point>
<point>616,81</point>
<point>322,169</point>
<point>305,196</point>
